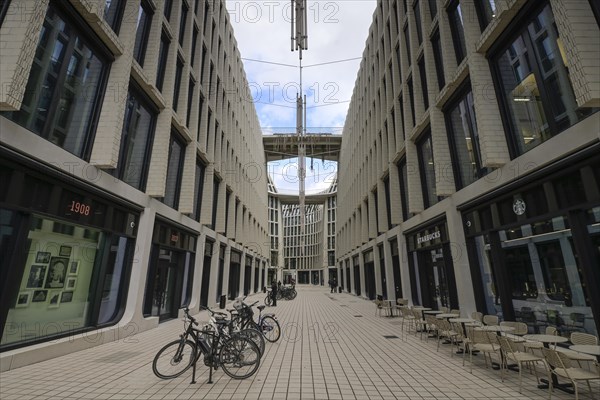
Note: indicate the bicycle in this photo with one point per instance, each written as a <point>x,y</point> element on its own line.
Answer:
<point>266,324</point>
<point>231,352</point>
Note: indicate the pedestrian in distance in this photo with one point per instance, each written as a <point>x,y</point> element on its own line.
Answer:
<point>274,292</point>
<point>331,285</point>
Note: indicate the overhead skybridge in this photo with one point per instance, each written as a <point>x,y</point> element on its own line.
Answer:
<point>319,146</point>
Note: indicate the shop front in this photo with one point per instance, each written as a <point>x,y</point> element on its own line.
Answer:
<point>66,254</point>
<point>247,275</point>
<point>356,267</point>
<point>256,274</point>
<point>534,249</point>
<point>348,277</point>
<point>206,266</point>
<point>171,270</point>
<point>396,268</point>
<point>430,264</point>
<point>221,272</point>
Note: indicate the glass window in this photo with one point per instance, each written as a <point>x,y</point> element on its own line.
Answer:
<point>167,9</point>
<point>174,171</point>
<point>407,43</point>
<point>113,13</point>
<point>437,56</point>
<point>3,10</point>
<point>198,189</point>
<point>534,74</point>
<point>417,11</point>
<point>215,205</point>
<point>462,129</point>
<point>411,99</point>
<point>163,55</point>
<point>194,41</point>
<point>190,100</point>
<point>595,4</point>
<point>433,8</point>
<point>144,23</point>
<point>176,89</point>
<point>427,168</point>
<point>58,287</point>
<point>486,11</point>
<point>184,11</point>
<point>421,64</point>
<point>136,141</point>
<point>399,62</point>
<point>65,85</point>
<point>403,178</point>
<point>457,29</point>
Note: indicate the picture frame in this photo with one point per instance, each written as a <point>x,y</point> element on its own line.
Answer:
<point>74,267</point>
<point>71,283</point>
<point>37,275</point>
<point>39,296</point>
<point>23,299</point>
<point>66,297</point>
<point>43,257</point>
<point>54,298</point>
<point>57,273</point>
<point>65,251</point>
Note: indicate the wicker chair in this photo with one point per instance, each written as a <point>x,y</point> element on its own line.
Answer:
<point>581,338</point>
<point>511,353</point>
<point>479,340</point>
<point>445,331</point>
<point>490,319</point>
<point>477,316</point>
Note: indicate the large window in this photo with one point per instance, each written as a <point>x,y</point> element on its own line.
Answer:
<point>113,13</point>
<point>533,74</point>
<point>144,23</point>
<point>407,43</point>
<point>427,168</point>
<point>486,11</point>
<point>176,89</point>
<point>3,9</point>
<point>174,170</point>
<point>411,99</point>
<point>403,178</point>
<point>198,189</point>
<point>136,140</point>
<point>163,55</point>
<point>433,8</point>
<point>417,11</point>
<point>168,6</point>
<point>182,20</point>
<point>437,57</point>
<point>455,16</point>
<point>65,86</point>
<point>462,129</point>
<point>215,205</point>
<point>423,76</point>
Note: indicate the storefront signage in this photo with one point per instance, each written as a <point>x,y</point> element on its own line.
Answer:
<point>519,207</point>
<point>79,208</point>
<point>429,237</point>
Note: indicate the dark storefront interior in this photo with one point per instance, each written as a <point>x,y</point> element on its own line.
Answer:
<point>234,274</point>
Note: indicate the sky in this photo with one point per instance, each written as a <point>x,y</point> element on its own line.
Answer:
<point>337,30</point>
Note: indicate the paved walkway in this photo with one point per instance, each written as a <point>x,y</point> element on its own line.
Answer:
<point>333,347</point>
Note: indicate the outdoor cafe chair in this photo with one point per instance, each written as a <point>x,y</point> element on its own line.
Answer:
<point>477,316</point>
<point>490,320</point>
<point>479,340</point>
<point>445,331</point>
<point>520,329</point>
<point>550,330</point>
<point>581,338</point>
<point>562,367</point>
<point>511,353</point>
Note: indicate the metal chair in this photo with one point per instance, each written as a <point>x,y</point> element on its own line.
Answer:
<point>561,367</point>
<point>490,319</point>
<point>511,353</point>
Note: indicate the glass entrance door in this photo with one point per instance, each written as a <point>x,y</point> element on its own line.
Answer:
<point>433,279</point>
<point>164,289</point>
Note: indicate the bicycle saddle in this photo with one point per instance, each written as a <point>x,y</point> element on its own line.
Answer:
<point>261,307</point>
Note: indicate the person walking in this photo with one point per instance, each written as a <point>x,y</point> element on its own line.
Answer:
<point>274,292</point>
<point>331,285</point>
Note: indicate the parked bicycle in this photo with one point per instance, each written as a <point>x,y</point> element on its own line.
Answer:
<point>285,293</point>
<point>235,353</point>
<point>266,324</point>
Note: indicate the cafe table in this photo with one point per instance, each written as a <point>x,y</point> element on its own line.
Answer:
<point>463,322</point>
<point>447,316</point>
<point>592,350</point>
<point>433,312</point>
<point>389,307</point>
<point>546,340</point>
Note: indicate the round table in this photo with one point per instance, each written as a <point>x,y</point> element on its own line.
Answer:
<point>446,316</point>
<point>496,328</point>
<point>433,312</point>
<point>593,350</point>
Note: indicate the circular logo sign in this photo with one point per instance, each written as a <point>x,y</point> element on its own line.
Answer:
<point>519,207</point>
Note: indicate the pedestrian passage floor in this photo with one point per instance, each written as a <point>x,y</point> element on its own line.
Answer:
<point>332,347</point>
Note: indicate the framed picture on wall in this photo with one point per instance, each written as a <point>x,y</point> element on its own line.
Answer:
<point>65,251</point>
<point>23,299</point>
<point>43,257</point>
<point>54,298</point>
<point>74,268</point>
<point>66,297</point>
<point>71,282</point>
<point>57,273</point>
<point>37,273</point>
<point>39,296</point>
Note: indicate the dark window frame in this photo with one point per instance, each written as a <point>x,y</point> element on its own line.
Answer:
<point>182,22</point>
<point>595,5</point>
<point>4,10</point>
<point>190,100</point>
<point>198,189</point>
<point>168,7</point>
<point>482,15</point>
<point>163,58</point>
<point>423,77</point>
<point>406,34</point>
<point>195,34</point>
<point>144,100</point>
<point>403,166</point>
<point>518,28</point>
<point>459,96</point>
<point>438,58</point>
<point>177,86</point>
<point>81,31</point>
<point>145,34</point>
<point>460,46</point>
<point>426,136</point>
<point>433,8</point>
<point>115,23</point>
<point>177,138</point>
<point>417,14</point>
<point>411,100</point>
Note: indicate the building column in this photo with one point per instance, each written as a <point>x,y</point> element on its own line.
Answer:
<point>389,271</point>
<point>460,260</point>
<point>404,268</point>
<point>361,268</point>
<point>226,268</point>
<point>198,267</point>
<point>377,264</point>
<point>214,273</point>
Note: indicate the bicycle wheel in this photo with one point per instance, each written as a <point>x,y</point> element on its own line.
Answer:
<point>255,335</point>
<point>293,294</point>
<point>239,357</point>
<point>268,300</point>
<point>270,329</point>
<point>174,359</point>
